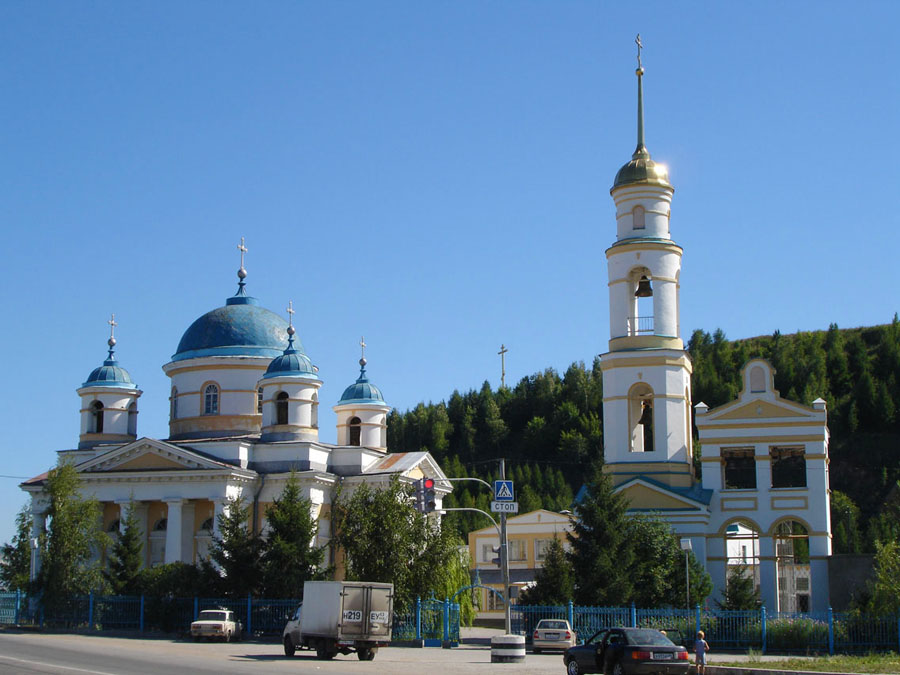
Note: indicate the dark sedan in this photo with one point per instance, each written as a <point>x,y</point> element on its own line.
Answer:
<point>623,651</point>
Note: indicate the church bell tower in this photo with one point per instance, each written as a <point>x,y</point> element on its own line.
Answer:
<point>646,372</point>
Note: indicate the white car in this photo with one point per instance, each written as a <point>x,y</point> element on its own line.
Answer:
<point>216,623</point>
<point>552,634</point>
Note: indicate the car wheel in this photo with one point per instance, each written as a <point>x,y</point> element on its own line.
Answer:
<point>572,667</point>
<point>617,668</point>
<point>289,647</point>
<point>363,653</point>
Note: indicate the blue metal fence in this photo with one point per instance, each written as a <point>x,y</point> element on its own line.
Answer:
<point>810,633</point>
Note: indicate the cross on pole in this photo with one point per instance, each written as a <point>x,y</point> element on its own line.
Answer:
<point>640,45</point>
<point>243,249</point>
<point>291,312</point>
<point>112,325</point>
<point>502,354</point>
<point>362,343</point>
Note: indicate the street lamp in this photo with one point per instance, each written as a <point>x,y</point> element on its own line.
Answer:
<point>686,547</point>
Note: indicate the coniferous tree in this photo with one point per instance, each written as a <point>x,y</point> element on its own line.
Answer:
<point>126,557</point>
<point>289,555</point>
<point>15,556</point>
<point>601,552</point>
<point>237,551</point>
<point>740,591</point>
<point>554,582</point>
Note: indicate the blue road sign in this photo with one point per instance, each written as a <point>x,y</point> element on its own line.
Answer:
<point>503,491</point>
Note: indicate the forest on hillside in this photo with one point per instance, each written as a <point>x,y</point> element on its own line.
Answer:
<point>550,427</point>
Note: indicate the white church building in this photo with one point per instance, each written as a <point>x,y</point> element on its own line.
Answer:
<point>243,414</point>
<point>762,505</point>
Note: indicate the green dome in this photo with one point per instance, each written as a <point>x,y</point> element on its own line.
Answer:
<point>642,169</point>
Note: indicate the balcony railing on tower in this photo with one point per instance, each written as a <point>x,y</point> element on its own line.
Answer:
<point>640,325</point>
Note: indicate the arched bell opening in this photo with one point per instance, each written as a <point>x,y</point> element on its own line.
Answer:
<point>281,408</point>
<point>641,292</point>
<point>355,431</point>
<point>97,417</point>
<point>640,414</point>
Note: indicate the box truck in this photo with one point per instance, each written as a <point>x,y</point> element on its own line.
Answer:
<point>341,617</point>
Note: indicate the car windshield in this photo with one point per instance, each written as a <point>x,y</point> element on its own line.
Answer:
<point>548,624</point>
<point>651,638</point>
<point>208,615</point>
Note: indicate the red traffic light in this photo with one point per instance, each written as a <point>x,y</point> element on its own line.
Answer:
<point>429,483</point>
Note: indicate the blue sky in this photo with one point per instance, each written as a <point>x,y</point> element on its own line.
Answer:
<point>432,175</point>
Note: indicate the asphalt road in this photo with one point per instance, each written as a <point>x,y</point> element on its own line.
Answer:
<point>68,654</point>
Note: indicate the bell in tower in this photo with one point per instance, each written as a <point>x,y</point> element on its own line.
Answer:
<point>644,290</point>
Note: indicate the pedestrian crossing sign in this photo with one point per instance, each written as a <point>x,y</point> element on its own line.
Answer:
<point>503,491</point>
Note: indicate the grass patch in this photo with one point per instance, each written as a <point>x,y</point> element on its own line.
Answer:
<point>869,663</point>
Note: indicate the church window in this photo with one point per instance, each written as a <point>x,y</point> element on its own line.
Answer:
<point>637,215</point>
<point>281,408</point>
<point>314,422</point>
<point>211,400</point>
<point>132,419</point>
<point>355,431</point>
<point>173,404</point>
<point>788,468</point>
<point>792,566</point>
<point>97,417</point>
<point>259,401</point>
<point>739,468</point>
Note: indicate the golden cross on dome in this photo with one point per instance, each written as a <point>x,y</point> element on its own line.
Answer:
<point>640,45</point>
<point>291,311</point>
<point>362,343</point>
<point>243,250</point>
<point>112,325</point>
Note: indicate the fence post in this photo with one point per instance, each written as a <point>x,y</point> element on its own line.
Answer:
<point>18,605</point>
<point>418,618</point>
<point>90,610</point>
<point>196,607</point>
<point>697,621</point>
<point>633,616</point>
<point>249,614</point>
<point>571,615</point>
<point>142,614</point>
<point>446,620</point>
<point>762,616</point>
<point>830,631</point>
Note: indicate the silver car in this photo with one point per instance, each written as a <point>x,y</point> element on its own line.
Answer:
<point>552,634</point>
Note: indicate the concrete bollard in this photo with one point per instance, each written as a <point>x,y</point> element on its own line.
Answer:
<point>508,649</point>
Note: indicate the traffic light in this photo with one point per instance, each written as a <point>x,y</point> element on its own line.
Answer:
<point>496,561</point>
<point>429,502</point>
<point>420,495</point>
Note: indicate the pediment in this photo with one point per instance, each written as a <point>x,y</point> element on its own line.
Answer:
<point>644,496</point>
<point>761,410</point>
<point>148,454</point>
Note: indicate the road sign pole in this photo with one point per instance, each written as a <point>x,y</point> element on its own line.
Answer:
<point>504,558</point>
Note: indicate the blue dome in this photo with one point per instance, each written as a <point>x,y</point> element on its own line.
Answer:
<point>241,328</point>
<point>362,391</point>
<point>110,374</point>
<point>292,363</point>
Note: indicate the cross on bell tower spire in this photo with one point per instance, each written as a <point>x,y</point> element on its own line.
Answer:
<point>242,273</point>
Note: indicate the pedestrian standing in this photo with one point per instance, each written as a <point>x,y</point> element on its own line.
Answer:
<point>701,646</point>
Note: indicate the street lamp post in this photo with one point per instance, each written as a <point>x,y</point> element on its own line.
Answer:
<point>687,547</point>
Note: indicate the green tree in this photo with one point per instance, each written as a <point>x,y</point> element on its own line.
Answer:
<point>554,583</point>
<point>69,562</point>
<point>845,517</point>
<point>289,557</point>
<point>740,591</point>
<point>126,557</point>
<point>238,550</point>
<point>885,585</point>
<point>601,552</point>
<point>15,556</point>
<point>383,538</point>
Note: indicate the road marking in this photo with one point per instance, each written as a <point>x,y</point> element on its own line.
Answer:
<point>55,666</point>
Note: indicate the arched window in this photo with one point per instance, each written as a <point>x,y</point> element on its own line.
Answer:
<point>211,400</point>
<point>637,215</point>
<point>281,408</point>
<point>792,566</point>
<point>132,418</point>
<point>173,404</point>
<point>742,552</point>
<point>97,417</point>
<point>640,417</point>
<point>259,401</point>
<point>355,430</point>
<point>314,420</point>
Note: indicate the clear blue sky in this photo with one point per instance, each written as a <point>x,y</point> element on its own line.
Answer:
<point>432,175</point>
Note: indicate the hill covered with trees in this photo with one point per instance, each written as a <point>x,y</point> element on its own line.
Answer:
<point>550,427</point>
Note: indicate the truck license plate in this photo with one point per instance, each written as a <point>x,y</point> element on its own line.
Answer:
<point>377,617</point>
<point>352,616</point>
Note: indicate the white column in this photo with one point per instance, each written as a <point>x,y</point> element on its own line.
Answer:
<point>187,532</point>
<point>173,529</point>
<point>38,522</point>
<point>768,574</point>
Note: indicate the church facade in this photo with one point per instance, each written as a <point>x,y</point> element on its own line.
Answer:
<point>761,508</point>
<point>243,415</point>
